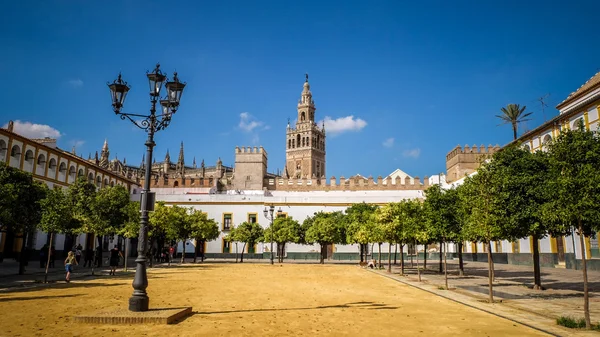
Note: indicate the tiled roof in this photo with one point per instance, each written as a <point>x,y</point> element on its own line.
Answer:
<point>586,87</point>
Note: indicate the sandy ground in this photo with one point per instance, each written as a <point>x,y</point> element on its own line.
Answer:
<point>253,300</point>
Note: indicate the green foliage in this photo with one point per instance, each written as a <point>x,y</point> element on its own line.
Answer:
<point>131,227</point>
<point>481,207</point>
<point>441,213</point>
<point>159,221</point>
<point>109,209</point>
<point>359,222</point>
<point>203,229</point>
<point>571,322</point>
<point>20,197</point>
<point>326,228</point>
<point>249,233</point>
<point>413,221</point>
<point>179,226</point>
<point>82,197</point>
<point>284,230</point>
<point>57,213</point>
<point>575,158</point>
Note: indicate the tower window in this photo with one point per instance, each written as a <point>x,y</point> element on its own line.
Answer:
<point>289,143</point>
<point>298,140</point>
<point>302,116</point>
<point>303,141</point>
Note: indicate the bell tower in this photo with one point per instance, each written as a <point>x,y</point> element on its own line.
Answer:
<point>305,144</point>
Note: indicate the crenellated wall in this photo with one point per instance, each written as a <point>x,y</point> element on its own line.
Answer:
<point>461,161</point>
<point>343,184</point>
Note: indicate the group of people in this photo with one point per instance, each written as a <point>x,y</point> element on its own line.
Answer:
<point>74,257</point>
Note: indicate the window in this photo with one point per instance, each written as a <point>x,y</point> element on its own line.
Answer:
<point>29,156</point>
<point>252,217</point>
<point>15,152</point>
<point>516,247</point>
<point>282,215</point>
<point>227,220</point>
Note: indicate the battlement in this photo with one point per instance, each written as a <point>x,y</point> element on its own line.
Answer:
<point>349,184</point>
<point>466,160</point>
<point>250,149</point>
<point>472,149</point>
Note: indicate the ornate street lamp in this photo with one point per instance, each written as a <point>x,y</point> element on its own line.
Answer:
<point>268,212</point>
<point>151,123</point>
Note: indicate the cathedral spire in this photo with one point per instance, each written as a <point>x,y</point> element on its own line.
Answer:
<point>194,163</point>
<point>180,162</point>
<point>143,164</point>
<point>167,157</point>
<point>104,155</point>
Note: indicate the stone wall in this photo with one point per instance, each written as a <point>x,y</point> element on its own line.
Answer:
<point>461,161</point>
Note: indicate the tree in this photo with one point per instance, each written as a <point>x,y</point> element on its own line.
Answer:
<point>358,217</point>
<point>81,196</point>
<point>440,213</point>
<point>131,227</point>
<point>514,114</point>
<point>575,158</point>
<point>57,217</point>
<point>285,229</point>
<point>388,223</point>
<point>482,209</point>
<point>157,227</point>
<point>178,227</point>
<point>326,229</point>
<point>108,210</point>
<point>522,184</point>
<point>247,233</point>
<point>20,208</point>
<point>203,230</point>
<point>413,228</point>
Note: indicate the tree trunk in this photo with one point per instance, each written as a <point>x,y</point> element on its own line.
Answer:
<point>196,251</point>
<point>461,266</point>
<point>445,264</point>
<point>417,254</point>
<point>424,256</point>
<point>390,257</point>
<point>402,259</point>
<point>490,273</point>
<point>202,251</point>
<point>514,126</point>
<point>395,254</point>
<point>23,255</point>
<point>441,249</point>
<point>183,253</point>
<point>95,258</point>
<point>242,257</point>
<point>491,258</point>
<point>236,252</point>
<point>379,256</point>
<point>322,261</point>
<point>537,275</point>
<point>362,249</point>
<point>48,262</point>
<point>126,253</point>
<point>586,299</point>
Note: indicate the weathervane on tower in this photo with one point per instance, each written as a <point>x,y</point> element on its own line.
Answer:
<point>306,74</point>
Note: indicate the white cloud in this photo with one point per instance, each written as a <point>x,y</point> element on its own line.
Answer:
<point>31,130</point>
<point>248,122</point>
<point>414,153</point>
<point>343,124</point>
<point>388,142</point>
<point>75,83</point>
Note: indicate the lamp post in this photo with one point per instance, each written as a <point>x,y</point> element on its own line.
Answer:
<point>151,123</point>
<point>268,212</point>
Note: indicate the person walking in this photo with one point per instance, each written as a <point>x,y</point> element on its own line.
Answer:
<point>78,253</point>
<point>69,261</point>
<point>115,253</point>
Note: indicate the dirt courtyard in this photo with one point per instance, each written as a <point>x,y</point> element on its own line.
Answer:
<point>253,300</point>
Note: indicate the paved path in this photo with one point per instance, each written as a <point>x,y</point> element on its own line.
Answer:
<point>513,286</point>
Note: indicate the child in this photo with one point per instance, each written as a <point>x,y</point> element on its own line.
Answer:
<point>69,265</point>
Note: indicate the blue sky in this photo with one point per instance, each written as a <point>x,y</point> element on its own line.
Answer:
<point>402,82</point>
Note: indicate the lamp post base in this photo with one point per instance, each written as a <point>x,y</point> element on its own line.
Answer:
<point>139,303</point>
